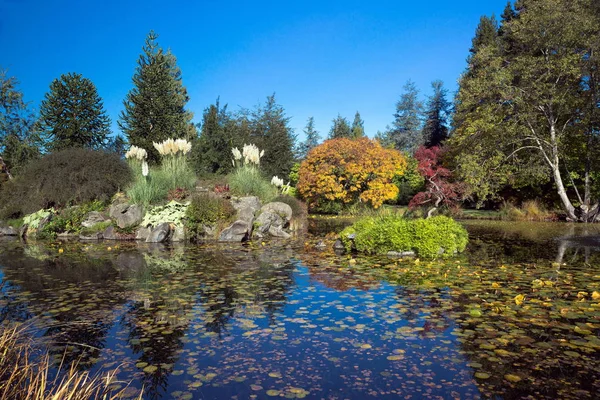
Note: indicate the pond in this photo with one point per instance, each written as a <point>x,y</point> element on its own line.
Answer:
<point>516,316</point>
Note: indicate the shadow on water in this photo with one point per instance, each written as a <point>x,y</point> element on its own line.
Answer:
<point>515,317</point>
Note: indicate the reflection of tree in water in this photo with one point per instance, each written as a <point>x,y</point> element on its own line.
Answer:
<point>423,308</point>
<point>73,297</point>
<point>238,282</point>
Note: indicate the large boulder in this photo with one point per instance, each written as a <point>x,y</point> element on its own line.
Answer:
<point>142,233</point>
<point>92,218</point>
<point>178,234</point>
<point>126,215</point>
<point>160,233</point>
<point>267,220</point>
<point>109,233</point>
<point>8,231</point>
<point>246,214</point>
<point>236,232</point>
<point>278,232</point>
<point>251,202</point>
<point>91,236</point>
<point>279,208</point>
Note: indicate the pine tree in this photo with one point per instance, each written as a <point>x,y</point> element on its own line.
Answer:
<point>271,132</point>
<point>406,131</point>
<point>211,152</point>
<point>19,141</point>
<point>155,106</point>
<point>311,141</point>
<point>358,127</point>
<point>72,114</point>
<point>340,128</point>
<point>435,130</point>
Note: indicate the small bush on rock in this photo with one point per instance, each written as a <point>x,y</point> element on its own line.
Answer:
<point>70,219</point>
<point>426,237</point>
<point>207,209</point>
<point>71,176</point>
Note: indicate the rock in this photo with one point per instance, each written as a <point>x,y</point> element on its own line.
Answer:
<point>92,236</point>
<point>278,232</point>
<point>44,221</point>
<point>246,214</point>
<point>23,231</point>
<point>126,215</point>
<point>247,202</point>
<point>279,208</point>
<point>399,254</point>
<point>142,233</point>
<point>109,233</point>
<point>8,231</point>
<point>236,232</point>
<point>159,234</point>
<point>92,218</point>
<point>267,220</point>
<point>338,245</point>
<point>66,235</point>
<point>320,245</point>
<point>178,234</point>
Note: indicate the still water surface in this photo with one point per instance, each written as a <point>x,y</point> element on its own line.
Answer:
<point>514,317</point>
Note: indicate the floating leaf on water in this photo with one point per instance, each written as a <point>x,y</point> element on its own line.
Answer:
<point>512,378</point>
<point>273,392</point>
<point>482,375</point>
<point>150,369</point>
<point>519,299</point>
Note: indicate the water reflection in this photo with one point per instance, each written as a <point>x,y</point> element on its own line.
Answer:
<point>221,321</point>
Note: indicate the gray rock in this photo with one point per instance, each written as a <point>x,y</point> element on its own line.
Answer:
<point>247,202</point>
<point>160,233</point>
<point>246,214</point>
<point>279,208</point>
<point>398,254</point>
<point>126,215</point>
<point>92,236</point>
<point>320,245</point>
<point>178,234</point>
<point>66,235</point>
<point>8,231</point>
<point>338,245</point>
<point>278,232</point>
<point>92,218</point>
<point>142,233</point>
<point>109,233</point>
<point>266,220</point>
<point>236,232</point>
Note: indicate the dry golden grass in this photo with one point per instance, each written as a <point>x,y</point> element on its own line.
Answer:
<point>22,378</point>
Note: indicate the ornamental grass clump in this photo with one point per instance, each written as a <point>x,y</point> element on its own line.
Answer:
<point>152,185</point>
<point>434,237</point>
<point>246,179</point>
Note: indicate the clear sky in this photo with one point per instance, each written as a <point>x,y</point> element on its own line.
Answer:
<point>320,58</point>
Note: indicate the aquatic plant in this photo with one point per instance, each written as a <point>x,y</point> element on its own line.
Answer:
<point>429,238</point>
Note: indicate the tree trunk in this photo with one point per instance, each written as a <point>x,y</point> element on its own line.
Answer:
<point>4,168</point>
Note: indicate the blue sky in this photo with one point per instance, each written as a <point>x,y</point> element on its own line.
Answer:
<point>321,58</point>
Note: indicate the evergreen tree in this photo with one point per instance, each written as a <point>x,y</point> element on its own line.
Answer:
<point>19,141</point>
<point>435,130</point>
<point>340,128</point>
<point>311,141</point>
<point>358,127</point>
<point>117,145</point>
<point>211,152</point>
<point>270,131</point>
<point>155,106</point>
<point>486,34</point>
<point>72,114</point>
<point>406,131</point>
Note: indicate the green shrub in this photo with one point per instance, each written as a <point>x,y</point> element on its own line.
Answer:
<point>33,220</point>
<point>71,176</point>
<point>393,233</point>
<point>207,209</point>
<point>248,181</point>
<point>172,212</point>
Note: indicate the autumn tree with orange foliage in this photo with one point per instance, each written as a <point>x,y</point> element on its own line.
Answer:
<point>349,170</point>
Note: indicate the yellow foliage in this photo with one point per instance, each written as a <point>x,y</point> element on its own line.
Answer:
<point>350,170</point>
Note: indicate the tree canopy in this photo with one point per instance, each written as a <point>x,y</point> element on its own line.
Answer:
<point>155,106</point>
<point>72,114</point>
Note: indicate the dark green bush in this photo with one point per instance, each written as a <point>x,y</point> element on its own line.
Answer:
<point>207,209</point>
<point>393,233</point>
<point>67,177</point>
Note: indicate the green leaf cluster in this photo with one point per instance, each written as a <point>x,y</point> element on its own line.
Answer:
<point>426,237</point>
<point>172,212</point>
<point>33,220</point>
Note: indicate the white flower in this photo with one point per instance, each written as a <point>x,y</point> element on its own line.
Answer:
<point>236,154</point>
<point>277,181</point>
<point>137,153</point>
<point>252,154</point>
<point>144,168</point>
